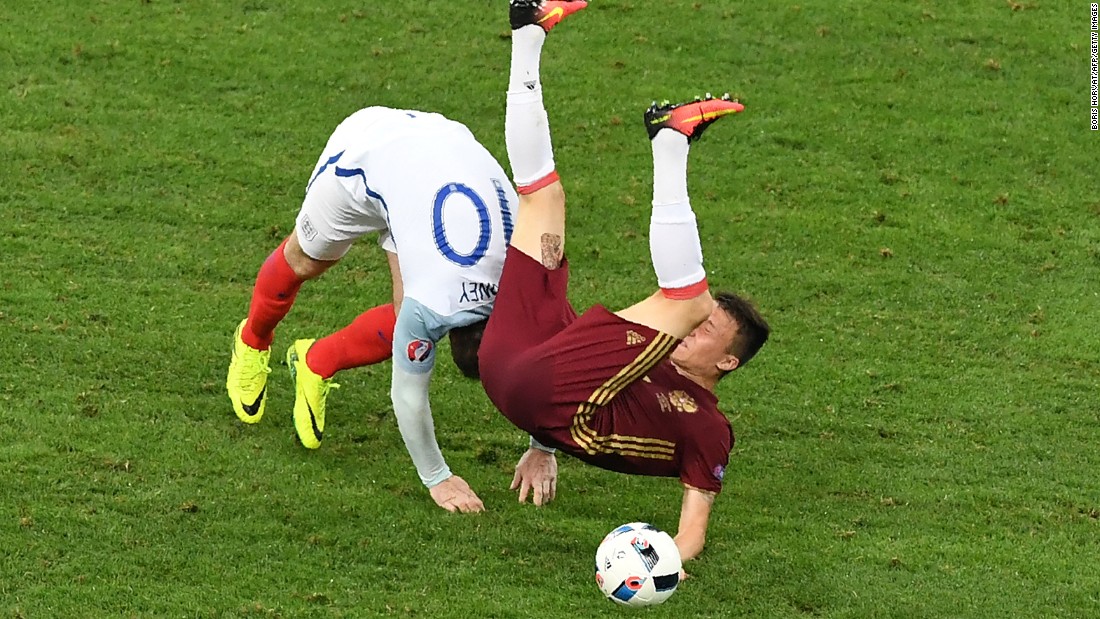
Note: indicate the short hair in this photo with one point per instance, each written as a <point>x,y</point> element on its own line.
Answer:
<point>465,342</point>
<point>752,329</point>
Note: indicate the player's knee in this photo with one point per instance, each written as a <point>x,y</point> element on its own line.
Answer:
<point>301,263</point>
<point>308,268</point>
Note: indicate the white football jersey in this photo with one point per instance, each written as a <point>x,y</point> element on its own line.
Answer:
<point>439,198</point>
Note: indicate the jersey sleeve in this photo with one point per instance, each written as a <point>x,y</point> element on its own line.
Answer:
<point>706,453</point>
<point>415,335</point>
<point>414,342</point>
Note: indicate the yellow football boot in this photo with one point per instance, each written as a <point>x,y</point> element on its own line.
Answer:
<point>247,379</point>
<point>310,393</point>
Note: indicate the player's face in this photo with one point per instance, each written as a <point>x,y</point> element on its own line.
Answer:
<point>704,350</point>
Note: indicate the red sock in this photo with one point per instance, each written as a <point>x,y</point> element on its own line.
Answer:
<point>276,287</point>
<point>686,292</point>
<point>538,184</point>
<point>367,340</point>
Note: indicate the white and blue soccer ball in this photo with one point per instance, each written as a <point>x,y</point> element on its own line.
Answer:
<point>637,564</point>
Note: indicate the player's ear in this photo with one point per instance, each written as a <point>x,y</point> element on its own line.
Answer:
<point>729,363</point>
<point>465,342</point>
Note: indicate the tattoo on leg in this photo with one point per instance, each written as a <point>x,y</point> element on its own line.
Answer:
<point>551,251</point>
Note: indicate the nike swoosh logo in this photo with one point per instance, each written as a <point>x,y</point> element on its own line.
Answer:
<point>313,422</point>
<point>254,408</point>
<point>554,12</point>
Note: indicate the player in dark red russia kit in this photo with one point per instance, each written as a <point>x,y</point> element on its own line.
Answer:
<point>630,391</point>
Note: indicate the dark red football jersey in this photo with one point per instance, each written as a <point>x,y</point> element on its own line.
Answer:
<point>663,424</point>
<point>597,387</point>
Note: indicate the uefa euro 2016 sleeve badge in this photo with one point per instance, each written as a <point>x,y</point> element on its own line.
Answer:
<point>419,350</point>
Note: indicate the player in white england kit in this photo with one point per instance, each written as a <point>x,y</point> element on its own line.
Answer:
<point>443,208</point>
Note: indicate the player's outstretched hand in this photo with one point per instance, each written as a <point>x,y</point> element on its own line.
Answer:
<point>536,471</point>
<point>455,495</point>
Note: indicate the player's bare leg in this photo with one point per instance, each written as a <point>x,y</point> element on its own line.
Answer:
<point>683,301</point>
<point>540,224</point>
<point>304,266</point>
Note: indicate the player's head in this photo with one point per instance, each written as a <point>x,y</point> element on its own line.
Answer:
<point>726,340</point>
<point>752,330</point>
<point>465,342</point>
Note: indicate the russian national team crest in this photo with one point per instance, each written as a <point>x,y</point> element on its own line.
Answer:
<point>419,350</point>
<point>682,401</point>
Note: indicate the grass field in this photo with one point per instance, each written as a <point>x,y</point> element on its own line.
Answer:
<point>912,197</point>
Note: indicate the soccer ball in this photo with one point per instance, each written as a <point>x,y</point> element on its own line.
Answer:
<point>637,564</point>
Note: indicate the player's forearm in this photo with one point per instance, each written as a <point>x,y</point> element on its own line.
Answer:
<point>694,518</point>
<point>414,419</point>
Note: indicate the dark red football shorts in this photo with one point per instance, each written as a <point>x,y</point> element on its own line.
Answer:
<point>540,362</point>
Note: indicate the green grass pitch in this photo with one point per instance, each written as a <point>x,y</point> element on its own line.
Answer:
<point>912,196</point>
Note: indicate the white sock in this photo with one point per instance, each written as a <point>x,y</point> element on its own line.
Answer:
<point>526,125</point>
<point>673,234</point>
<point>674,246</point>
<point>670,160</point>
<point>526,54</point>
